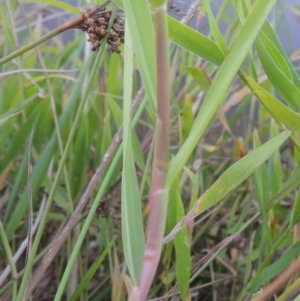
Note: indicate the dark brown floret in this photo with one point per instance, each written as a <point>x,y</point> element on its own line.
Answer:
<point>95,22</point>
<point>100,31</point>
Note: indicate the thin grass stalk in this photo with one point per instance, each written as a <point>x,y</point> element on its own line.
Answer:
<point>52,102</point>
<point>12,20</point>
<point>21,295</point>
<point>56,123</point>
<point>30,209</point>
<point>21,248</point>
<point>55,32</point>
<point>55,118</point>
<point>280,281</point>
<point>289,291</point>
<point>264,263</point>
<point>93,210</point>
<point>158,193</point>
<point>39,41</point>
<point>42,163</point>
<point>62,236</point>
<point>10,259</point>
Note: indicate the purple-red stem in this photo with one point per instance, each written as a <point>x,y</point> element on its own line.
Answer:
<point>158,196</point>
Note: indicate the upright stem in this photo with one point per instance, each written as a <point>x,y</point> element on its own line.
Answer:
<point>158,194</point>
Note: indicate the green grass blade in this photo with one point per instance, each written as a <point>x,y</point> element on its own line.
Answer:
<point>142,33</point>
<point>296,210</point>
<point>182,250</point>
<point>132,222</point>
<point>276,56</point>
<point>277,75</point>
<point>239,172</point>
<point>194,42</point>
<point>221,83</point>
<point>272,36</point>
<point>18,141</point>
<point>261,181</point>
<point>276,108</point>
<point>58,4</point>
<point>11,204</point>
<point>291,183</point>
<point>231,178</point>
<point>215,29</point>
<point>195,185</point>
<point>56,182</point>
<point>200,77</point>
<point>276,268</point>
<point>41,166</point>
<point>276,173</point>
<point>8,254</point>
<point>91,272</point>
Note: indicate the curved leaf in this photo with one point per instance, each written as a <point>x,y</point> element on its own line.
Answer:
<point>200,77</point>
<point>195,42</point>
<point>281,83</point>
<point>276,56</point>
<point>230,179</point>
<point>268,30</point>
<point>276,268</point>
<point>222,81</point>
<point>277,109</point>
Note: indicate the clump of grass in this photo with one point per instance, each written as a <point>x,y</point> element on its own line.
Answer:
<point>189,191</point>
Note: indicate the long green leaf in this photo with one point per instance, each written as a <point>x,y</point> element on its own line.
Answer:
<point>215,29</point>
<point>273,37</point>
<point>276,56</point>
<point>90,273</point>
<point>277,109</point>
<point>182,250</point>
<point>238,172</point>
<point>18,140</point>
<point>194,42</point>
<point>58,4</point>
<point>132,223</point>
<point>221,83</point>
<point>291,183</point>
<point>230,179</point>
<point>276,75</point>
<point>142,32</point>
<point>276,268</point>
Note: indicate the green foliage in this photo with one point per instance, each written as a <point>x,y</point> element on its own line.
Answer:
<point>182,251</point>
<point>274,269</point>
<point>90,273</point>
<point>195,42</point>
<point>232,180</point>
<point>132,224</point>
<point>276,108</point>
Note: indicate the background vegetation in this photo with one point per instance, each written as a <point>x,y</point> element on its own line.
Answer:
<point>182,135</point>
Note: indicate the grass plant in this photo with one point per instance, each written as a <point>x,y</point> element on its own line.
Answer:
<point>166,168</point>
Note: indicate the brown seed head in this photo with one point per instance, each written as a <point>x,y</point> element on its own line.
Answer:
<point>102,21</point>
<point>100,31</point>
<point>90,22</point>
